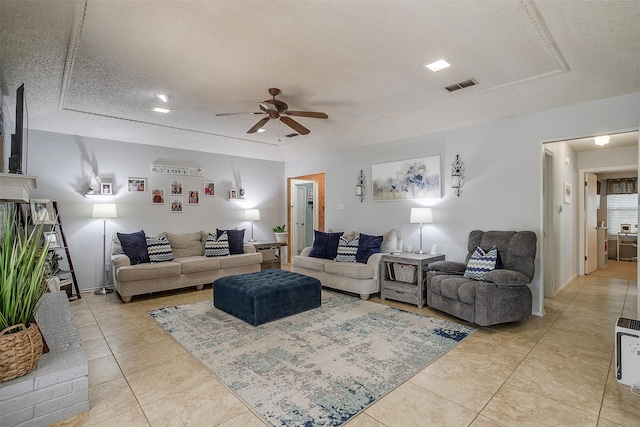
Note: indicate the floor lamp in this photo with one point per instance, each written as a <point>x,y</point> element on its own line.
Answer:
<point>252,215</point>
<point>104,211</point>
<point>422,216</point>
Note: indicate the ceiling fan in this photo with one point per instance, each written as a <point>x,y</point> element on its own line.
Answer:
<point>275,108</point>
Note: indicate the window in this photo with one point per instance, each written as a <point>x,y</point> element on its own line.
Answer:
<point>622,209</point>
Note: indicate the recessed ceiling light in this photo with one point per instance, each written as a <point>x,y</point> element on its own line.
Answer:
<point>163,97</point>
<point>261,130</point>
<point>160,110</point>
<point>440,64</point>
<point>602,140</point>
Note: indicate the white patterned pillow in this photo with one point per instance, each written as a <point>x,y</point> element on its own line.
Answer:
<point>159,249</point>
<point>217,247</point>
<point>347,249</point>
<point>481,263</point>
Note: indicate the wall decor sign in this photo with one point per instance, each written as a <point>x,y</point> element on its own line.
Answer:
<point>177,170</point>
<point>407,179</point>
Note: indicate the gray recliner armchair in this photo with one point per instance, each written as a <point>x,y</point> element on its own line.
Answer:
<point>502,296</point>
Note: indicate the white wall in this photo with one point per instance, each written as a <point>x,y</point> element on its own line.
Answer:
<point>63,163</point>
<point>503,185</point>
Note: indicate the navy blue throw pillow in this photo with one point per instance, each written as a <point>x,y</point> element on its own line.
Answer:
<point>368,246</point>
<point>325,245</point>
<point>134,245</point>
<point>236,240</point>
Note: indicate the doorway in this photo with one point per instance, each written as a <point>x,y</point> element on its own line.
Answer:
<point>564,218</point>
<point>299,209</point>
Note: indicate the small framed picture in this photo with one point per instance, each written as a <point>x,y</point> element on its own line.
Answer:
<point>310,193</point>
<point>176,204</point>
<point>194,197</point>
<point>233,194</point>
<point>208,189</point>
<point>157,196</point>
<point>42,211</point>
<point>567,192</point>
<point>137,184</point>
<point>106,189</point>
<point>52,238</point>
<point>176,187</point>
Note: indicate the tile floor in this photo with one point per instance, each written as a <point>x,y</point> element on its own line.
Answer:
<point>556,370</point>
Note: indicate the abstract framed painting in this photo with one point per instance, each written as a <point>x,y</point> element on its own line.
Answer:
<point>407,179</point>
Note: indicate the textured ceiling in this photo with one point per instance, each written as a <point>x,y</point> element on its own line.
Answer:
<point>91,68</point>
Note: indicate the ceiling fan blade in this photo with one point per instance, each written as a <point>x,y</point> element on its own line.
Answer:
<point>294,125</point>
<point>233,114</point>
<point>258,125</point>
<point>313,114</point>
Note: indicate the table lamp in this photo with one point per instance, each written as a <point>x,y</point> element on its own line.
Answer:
<point>252,215</point>
<point>421,216</point>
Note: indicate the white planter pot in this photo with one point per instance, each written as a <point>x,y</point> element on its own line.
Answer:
<point>281,237</point>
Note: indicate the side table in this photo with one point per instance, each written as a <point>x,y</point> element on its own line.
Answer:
<point>270,254</point>
<point>411,292</point>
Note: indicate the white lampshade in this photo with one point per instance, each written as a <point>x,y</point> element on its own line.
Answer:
<point>252,215</point>
<point>104,210</point>
<point>421,216</point>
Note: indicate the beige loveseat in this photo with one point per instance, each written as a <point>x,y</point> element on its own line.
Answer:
<point>189,266</point>
<point>354,277</point>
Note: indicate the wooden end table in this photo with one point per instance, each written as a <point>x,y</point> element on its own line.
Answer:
<point>411,292</point>
<point>270,251</point>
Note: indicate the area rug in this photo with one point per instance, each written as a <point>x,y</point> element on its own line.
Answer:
<point>317,368</point>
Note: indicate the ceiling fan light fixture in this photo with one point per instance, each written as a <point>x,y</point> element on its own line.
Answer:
<point>438,65</point>
<point>160,110</point>
<point>602,140</point>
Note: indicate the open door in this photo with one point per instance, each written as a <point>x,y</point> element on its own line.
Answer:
<point>591,223</point>
<point>318,180</point>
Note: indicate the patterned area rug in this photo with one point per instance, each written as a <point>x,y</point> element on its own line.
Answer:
<point>317,368</point>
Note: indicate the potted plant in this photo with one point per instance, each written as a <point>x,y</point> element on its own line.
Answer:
<point>22,285</point>
<point>281,233</point>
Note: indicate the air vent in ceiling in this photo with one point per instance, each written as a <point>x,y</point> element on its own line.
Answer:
<point>461,85</point>
<point>291,135</point>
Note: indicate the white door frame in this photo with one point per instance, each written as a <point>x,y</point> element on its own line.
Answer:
<point>582,240</point>
<point>292,228</point>
<point>549,271</point>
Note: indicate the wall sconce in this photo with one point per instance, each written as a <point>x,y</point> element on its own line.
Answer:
<point>457,175</point>
<point>361,180</point>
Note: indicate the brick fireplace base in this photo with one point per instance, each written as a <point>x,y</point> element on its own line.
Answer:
<point>59,387</point>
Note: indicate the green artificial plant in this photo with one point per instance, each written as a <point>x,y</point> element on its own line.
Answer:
<point>279,228</point>
<point>22,267</point>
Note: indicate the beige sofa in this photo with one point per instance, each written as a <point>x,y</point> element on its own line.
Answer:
<point>354,277</point>
<point>188,268</point>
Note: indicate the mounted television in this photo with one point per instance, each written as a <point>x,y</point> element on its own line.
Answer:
<point>17,139</point>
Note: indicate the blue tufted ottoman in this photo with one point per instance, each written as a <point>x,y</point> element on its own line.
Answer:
<point>267,295</point>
